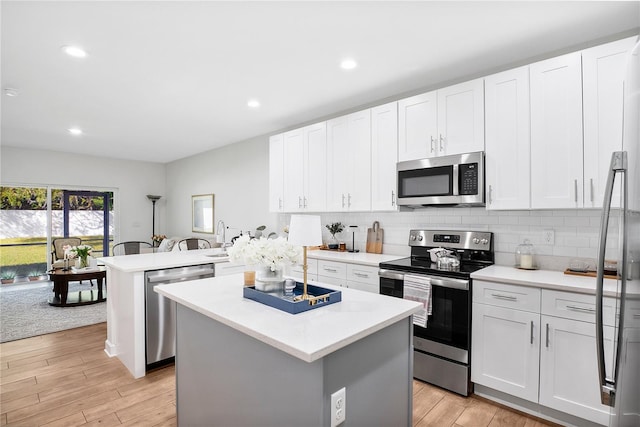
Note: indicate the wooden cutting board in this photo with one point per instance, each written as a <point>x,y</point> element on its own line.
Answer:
<point>374,238</point>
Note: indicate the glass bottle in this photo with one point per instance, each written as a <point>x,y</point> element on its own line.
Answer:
<point>526,256</point>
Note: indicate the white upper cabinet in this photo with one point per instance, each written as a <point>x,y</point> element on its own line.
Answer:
<point>603,69</point>
<point>276,173</point>
<point>315,161</point>
<point>292,172</point>
<point>384,155</point>
<point>418,127</point>
<point>507,139</point>
<point>447,121</point>
<point>349,162</point>
<point>556,133</point>
<point>461,118</point>
<point>304,169</point>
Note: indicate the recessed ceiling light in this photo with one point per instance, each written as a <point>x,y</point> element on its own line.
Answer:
<point>75,51</point>
<point>253,103</point>
<point>75,131</point>
<point>348,64</point>
<point>9,91</point>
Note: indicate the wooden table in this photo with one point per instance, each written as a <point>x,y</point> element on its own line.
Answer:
<point>63,298</point>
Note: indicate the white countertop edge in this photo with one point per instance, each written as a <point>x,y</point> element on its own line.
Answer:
<point>553,280</point>
<point>161,260</point>
<point>360,258</point>
<point>283,346</point>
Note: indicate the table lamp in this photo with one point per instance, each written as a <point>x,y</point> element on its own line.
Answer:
<point>305,230</point>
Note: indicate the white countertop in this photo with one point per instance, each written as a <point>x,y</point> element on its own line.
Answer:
<point>308,336</point>
<point>362,258</point>
<point>159,260</point>
<point>547,279</point>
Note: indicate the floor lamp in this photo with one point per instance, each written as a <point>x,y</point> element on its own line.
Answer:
<point>305,230</point>
<point>153,199</point>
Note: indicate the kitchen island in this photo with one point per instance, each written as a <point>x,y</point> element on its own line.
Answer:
<point>126,302</point>
<point>239,362</point>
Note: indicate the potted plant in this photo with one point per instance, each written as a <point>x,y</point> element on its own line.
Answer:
<point>334,228</point>
<point>8,277</point>
<point>34,275</point>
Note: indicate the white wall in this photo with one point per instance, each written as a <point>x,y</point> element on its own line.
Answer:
<point>131,181</point>
<point>238,176</point>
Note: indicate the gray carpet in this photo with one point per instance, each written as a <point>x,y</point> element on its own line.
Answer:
<point>25,312</point>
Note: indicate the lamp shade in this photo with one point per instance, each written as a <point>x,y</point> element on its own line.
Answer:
<point>305,230</point>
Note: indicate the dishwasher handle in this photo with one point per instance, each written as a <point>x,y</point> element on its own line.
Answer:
<point>180,274</point>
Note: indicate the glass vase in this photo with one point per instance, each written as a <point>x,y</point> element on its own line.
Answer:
<point>82,262</point>
<point>269,281</point>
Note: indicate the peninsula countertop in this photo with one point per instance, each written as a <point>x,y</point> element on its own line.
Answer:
<point>160,260</point>
<point>310,335</point>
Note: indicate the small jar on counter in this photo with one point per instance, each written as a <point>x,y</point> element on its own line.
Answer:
<point>526,256</point>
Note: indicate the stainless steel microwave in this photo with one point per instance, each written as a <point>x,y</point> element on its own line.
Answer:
<point>456,180</point>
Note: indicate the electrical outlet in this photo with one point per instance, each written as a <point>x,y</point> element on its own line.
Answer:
<point>548,237</point>
<point>338,407</point>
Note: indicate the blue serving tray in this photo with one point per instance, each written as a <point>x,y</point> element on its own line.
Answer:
<point>287,304</point>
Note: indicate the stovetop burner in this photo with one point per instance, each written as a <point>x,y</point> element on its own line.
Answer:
<point>473,248</point>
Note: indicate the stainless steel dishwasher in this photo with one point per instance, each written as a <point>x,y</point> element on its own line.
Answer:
<point>160,312</point>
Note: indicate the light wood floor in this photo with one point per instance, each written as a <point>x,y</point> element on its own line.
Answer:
<point>66,379</point>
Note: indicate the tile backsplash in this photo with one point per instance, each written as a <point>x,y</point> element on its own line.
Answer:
<point>575,231</point>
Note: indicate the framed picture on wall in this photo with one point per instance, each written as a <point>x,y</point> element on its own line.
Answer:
<point>202,213</point>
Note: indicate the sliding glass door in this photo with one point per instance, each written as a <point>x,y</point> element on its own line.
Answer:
<point>84,214</point>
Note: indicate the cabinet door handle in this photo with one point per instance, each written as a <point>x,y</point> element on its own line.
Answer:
<point>432,141</point>
<point>343,200</point>
<point>332,270</point>
<point>366,276</point>
<point>441,143</point>
<point>547,337</point>
<point>582,309</point>
<point>349,200</point>
<point>531,340</point>
<point>490,194</point>
<point>279,202</point>
<point>505,297</point>
<point>575,190</point>
<point>591,188</point>
<point>304,205</point>
<point>636,316</point>
<point>299,202</point>
<point>393,198</point>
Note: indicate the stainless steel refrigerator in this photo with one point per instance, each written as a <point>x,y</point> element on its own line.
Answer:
<point>619,365</point>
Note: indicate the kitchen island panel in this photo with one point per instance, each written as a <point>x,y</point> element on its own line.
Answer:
<point>226,376</point>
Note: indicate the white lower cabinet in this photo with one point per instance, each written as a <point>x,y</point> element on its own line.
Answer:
<point>363,278</point>
<point>569,370</point>
<point>539,345</point>
<point>297,272</point>
<point>505,338</point>
<point>505,350</point>
<point>346,275</point>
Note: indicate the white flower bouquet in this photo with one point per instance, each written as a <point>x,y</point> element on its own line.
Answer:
<point>81,251</point>
<point>272,253</point>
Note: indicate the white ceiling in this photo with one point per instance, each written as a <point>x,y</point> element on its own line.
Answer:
<point>168,79</point>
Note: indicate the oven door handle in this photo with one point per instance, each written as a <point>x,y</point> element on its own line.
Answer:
<point>449,283</point>
<point>390,274</point>
<point>435,281</point>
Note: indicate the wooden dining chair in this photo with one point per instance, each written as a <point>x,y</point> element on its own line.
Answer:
<point>193,243</point>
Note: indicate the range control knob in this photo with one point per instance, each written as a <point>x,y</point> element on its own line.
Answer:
<point>484,241</point>
<point>413,237</point>
<point>476,240</point>
<point>420,238</point>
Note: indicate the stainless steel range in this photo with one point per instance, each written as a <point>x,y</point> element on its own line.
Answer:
<point>446,259</point>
